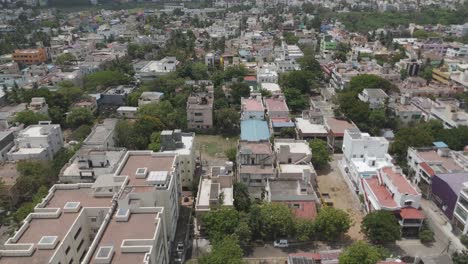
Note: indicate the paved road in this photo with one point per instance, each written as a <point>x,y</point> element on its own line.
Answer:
<point>441,226</point>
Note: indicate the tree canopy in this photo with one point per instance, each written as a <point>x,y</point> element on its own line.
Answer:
<point>360,253</point>
<point>332,223</point>
<point>381,227</point>
<point>320,153</point>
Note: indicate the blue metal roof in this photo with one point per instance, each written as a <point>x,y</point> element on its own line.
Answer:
<point>282,124</point>
<point>440,144</point>
<point>254,130</point>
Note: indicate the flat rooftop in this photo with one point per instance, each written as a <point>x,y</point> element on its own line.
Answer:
<point>431,156</point>
<point>276,105</point>
<point>39,227</point>
<point>113,156</point>
<point>289,191</point>
<point>138,226</point>
<point>295,146</point>
<point>187,149</point>
<point>101,132</point>
<point>252,105</point>
<point>145,159</point>
<point>337,126</point>
<point>254,130</point>
<point>307,128</point>
<point>247,147</point>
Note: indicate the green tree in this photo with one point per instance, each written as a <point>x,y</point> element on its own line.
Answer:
<point>360,253</point>
<point>225,250</point>
<point>235,71</point>
<point>304,81</point>
<point>460,257</point>
<point>65,59</point>
<point>305,229</point>
<point>239,90</point>
<point>320,153</point>
<point>426,74</point>
<point>296,100</point>
<point>381,227</point>
<point>70,93</point>
<point>332,223</point>
<point>241,197</point>
<point>288,132</point>
<point>155,141</point>
<point>101,80</point>
<point>80,116</point>
<point>231,154</point>
<point>227,121</point>
<point>81,132</point>
<point>277,220</point>
<point>363,81</point>
<point>464,240</point>
<point>28,117</point>
<point>219,223</point>
<point>426,236</point>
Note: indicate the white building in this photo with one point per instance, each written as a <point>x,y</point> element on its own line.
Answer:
<point>127,111</point>
<point>149,97</point>
<point>375,97</point>
<point>177,142</point>
<point>363,155</point>
<point>266,75</point>
<point>153,69</point>
<point>40,142</point>
<point>214,191</point>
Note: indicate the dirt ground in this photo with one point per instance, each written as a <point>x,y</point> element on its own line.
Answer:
<point>332,182</point>
<point>212,148</point>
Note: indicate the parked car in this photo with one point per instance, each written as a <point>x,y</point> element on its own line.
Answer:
<point>281,243</point>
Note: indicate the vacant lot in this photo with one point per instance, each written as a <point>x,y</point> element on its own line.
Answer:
<point>212,148</point>
<point>332,182</point>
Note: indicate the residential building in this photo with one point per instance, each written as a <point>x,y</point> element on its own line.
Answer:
<point>85,223</point>
<point>102,135</point>
<point>255,165</point>
<point>90,163</point>
<point>449,113</point>
<point>460,213</point>
<point>153,181</point>
<point>406,111</point>
<point>323,257</point>
<point>30,56</point>
<point>298,195</point>
<point>335,129</point>
<point>252,107</point>
<point>266,75</point>
<point>363,156</point>
<point>6,143</point>
<point>291,151</point>
<point>115,96</point>
<point>375,97</point>
<point>447,192</point>
<point>307,130</point>
<point>254,130</point>
<point>425,163</point>
<point>390,190</point>
<point>214,191</point>
<point>127,112</point>
<point>39,141</point>
<point>177,142</point>
<point>150,70</point>
<point>149,97</point>
<point>200,110</point>
<point>276,106</point>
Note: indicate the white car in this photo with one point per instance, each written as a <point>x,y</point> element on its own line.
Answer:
<point>281,243</point>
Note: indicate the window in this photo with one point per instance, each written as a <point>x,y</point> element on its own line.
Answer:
<point>67,250</point>
<point>71,261</point>
<point>93,219</point>
<point>81,244</point>
<point>408,203</point>
<point>77,233</point>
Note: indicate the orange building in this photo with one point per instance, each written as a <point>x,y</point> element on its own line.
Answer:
<point>30,56</point>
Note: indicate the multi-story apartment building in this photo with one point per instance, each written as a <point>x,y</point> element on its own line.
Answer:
<point>150,70</point>
<point>363,156</point>
<point>40,142</point>
<point>375,97</point>
<point>425,163</point>
<point>181,144</point>
<point>30,56</point>
<point>87,223</point>
<point>200,110</point>
<point>153,181</point>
